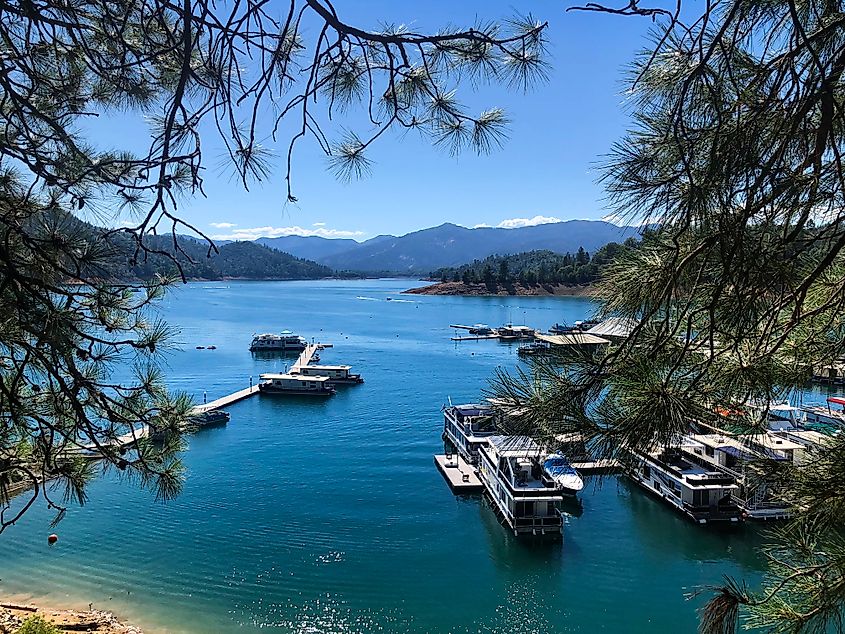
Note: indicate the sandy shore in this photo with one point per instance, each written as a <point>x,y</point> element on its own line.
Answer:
<point>14,613</point>
<point>478,290</point>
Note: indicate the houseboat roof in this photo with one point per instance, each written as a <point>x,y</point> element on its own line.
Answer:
<point>473,409</point>
<point>749,446</point>
<point>294,377</point>
<point>807,435</point>
<point>326,367</point>
<point>613,327</point>
<point>573,339</point>
<point>514,445</point>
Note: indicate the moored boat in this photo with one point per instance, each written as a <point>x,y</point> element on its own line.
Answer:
<point>703,495</point>
<point>336,374</point>
<point>819,415</point>
<point>525,496</point>
<point>511,332</point>
<point>285,341</point>
<point>480,329</point>
<point>209,419</point>
<point>295,384</point>
<point>467,428</point>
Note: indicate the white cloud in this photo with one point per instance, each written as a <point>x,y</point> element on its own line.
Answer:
<point>276,232</point>
<point>515,223</point>
<point>223,225</point>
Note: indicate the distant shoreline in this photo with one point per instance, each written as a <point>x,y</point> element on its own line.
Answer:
<point>480,290</point>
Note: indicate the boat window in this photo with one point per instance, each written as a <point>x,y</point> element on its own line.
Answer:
<point>646,471</point>
<point>701,498</point>
<point>524,509</point>
<point>709,451</point>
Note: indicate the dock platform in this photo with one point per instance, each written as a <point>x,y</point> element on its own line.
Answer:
<point>307,356</point>
<point>475,337</point>
<point>605,466</point>
<point>459,474</point>
<point>222,402</point>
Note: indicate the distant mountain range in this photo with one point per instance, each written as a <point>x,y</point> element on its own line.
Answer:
<point>448,245</point>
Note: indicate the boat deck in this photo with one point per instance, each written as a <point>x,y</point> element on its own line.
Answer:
<point>459,474</point>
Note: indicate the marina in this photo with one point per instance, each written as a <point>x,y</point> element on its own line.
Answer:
<point>390,511</point>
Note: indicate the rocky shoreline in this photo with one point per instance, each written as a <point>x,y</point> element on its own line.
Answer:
<point>481,289</point>
<point>13,615</point>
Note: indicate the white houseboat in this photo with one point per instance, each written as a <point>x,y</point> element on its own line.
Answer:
<point>295,384</point>
<point>732,455</point>
<point>525,492</point>
<point>467,428</point>
<point>704,495</point>
<point>285,341</point>
<point>336,374</point>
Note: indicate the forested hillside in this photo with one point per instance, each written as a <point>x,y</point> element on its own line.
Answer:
<point>534,268</point>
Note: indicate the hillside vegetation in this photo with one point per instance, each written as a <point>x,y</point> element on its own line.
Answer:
<point>534,268</point>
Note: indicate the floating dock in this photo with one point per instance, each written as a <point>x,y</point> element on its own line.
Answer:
<point>604,466</point>
<point>222,402</point>
<point>305,358</point>
<point>459,474</point>
<point>475,337</point>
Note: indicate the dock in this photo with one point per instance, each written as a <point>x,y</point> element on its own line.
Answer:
<point>223,401</point>
<point>307,356</point>
<point>124,441</point>
<point>459,474</point>
<point>603,466</point>
<point>475,337</point>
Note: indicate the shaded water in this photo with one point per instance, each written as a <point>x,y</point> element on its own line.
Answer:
<point>329,516</point>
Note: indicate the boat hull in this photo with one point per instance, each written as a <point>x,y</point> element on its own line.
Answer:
<point>295,392</point>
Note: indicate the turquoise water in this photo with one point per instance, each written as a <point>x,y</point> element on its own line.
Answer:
<point>329,516</point>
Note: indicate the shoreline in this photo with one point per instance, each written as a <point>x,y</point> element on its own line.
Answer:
<point>17,608</point>
<point>510,290</point>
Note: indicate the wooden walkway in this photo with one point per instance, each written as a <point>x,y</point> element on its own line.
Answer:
<point>222,402</point>
<point>460,475</point>
<point>603,466</point>
<point>307,356</point>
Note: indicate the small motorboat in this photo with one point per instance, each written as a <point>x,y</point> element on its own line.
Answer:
<point>211,348</point>
<point>200,347</point>
<point>557,468</point>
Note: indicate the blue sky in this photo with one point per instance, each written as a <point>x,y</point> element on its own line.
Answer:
<point>546,169</point>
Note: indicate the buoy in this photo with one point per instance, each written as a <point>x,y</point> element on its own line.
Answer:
<point>52,539</point>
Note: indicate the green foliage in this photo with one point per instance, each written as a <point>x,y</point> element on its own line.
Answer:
<point>735,159</point>
<point>536,267</point>
<point>37,625</point>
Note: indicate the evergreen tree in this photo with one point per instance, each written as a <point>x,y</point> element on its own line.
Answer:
<point>738,287</point>
<point>240,69</point>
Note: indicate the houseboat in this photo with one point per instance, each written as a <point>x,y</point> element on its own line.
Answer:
<point>336,374</point>
<point>480,329</point>
<point>533,348</point>
<point>295,384</point>
<point>511,332</point>
<point>525,492</point>
<point>467,428</point>
<point>732,455</point>
<point>826,416</point>
<point>285,341</point>
<point>704,495</point>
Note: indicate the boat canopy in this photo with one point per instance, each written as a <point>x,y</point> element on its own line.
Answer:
<point>836,399</point>
<point>473,410</point>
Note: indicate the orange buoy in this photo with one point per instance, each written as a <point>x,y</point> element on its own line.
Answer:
<point>52,539</point>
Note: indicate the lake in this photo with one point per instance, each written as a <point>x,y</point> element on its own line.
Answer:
<point>330,516</point>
